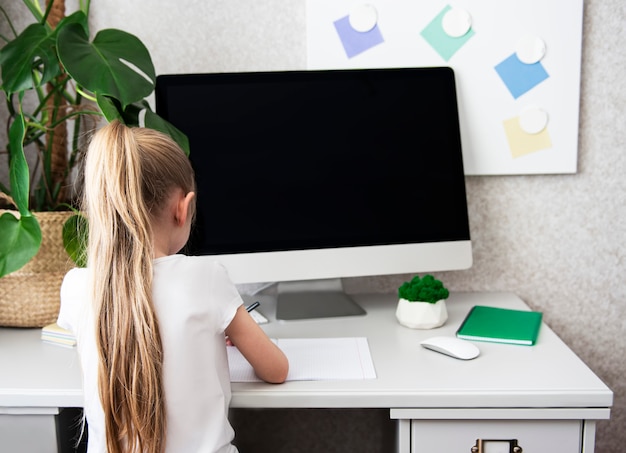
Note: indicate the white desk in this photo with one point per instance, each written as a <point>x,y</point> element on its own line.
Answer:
<point>544,396</point>
<point>36,379</point>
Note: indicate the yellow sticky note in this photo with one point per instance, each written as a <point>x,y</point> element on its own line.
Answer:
<point>522,143</point>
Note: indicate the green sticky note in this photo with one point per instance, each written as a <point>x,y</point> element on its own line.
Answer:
<point>444,45</point>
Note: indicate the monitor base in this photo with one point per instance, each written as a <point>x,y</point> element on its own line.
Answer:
<point>314,299</point>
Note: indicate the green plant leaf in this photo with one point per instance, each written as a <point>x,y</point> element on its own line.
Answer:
<point>115,64</point>
<point>154,121</point>
<point>18,171</point>
<point>133,111</point>
<point>75,235</point>
<point>33,47</point>
<point>79,17</point>
<point>110,109</point>
<point>21,239</point>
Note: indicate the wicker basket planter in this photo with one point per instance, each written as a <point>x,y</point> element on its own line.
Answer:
<point>29,297</point>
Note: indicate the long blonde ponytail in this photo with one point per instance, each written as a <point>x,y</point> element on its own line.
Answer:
<point>129,174</point>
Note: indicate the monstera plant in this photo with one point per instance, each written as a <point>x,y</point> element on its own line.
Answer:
<point>59,81</point>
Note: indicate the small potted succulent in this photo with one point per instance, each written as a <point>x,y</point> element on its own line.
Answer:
<point>422,303</point>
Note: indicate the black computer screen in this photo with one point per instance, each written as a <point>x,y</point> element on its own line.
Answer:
<point>298,160</point>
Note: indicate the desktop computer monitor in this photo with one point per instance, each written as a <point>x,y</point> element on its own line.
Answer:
<point>307,177</point>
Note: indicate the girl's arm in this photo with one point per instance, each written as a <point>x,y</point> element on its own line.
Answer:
<point>268,361</point>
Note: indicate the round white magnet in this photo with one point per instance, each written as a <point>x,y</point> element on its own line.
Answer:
<point>530,49</point>
<point>456,22</point>
<point>533,120</point>
<point>363,18</point>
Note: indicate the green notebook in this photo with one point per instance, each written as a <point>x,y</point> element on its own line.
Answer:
<point>501,325</point>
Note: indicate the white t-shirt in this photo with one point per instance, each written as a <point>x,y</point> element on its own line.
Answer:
<point>195,301</point>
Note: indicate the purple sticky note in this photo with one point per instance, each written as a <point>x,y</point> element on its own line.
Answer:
<point>520,77</point>
<point>355,42</point>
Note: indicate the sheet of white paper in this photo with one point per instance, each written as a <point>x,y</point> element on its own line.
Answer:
<point>313,359</point>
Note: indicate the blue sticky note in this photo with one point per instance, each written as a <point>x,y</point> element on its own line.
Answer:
<point>444,45</point>
<point>355,42</point>
<point>520,77</point>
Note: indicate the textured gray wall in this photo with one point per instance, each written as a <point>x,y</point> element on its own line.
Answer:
<point>559,242</point>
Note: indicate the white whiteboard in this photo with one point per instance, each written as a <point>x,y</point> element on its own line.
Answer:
<point>518,104</point>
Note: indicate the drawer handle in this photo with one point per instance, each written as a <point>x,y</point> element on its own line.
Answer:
<point>496,446</point>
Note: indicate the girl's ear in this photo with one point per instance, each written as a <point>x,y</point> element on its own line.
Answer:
<point>183,207</point>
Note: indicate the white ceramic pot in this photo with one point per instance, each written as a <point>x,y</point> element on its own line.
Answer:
<point>421,315</point>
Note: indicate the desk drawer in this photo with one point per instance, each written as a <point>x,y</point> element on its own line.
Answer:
<point>28,433</point>
<point>459,436</point>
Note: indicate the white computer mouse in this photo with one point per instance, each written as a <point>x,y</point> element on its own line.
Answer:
<point>452,346</point>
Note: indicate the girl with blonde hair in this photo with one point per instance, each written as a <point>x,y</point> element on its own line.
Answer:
<point>151,323</point>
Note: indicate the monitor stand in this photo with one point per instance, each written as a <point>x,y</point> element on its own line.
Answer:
<point>314,299</point>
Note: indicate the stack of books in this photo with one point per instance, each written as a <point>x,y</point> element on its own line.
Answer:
<point>54,334</point>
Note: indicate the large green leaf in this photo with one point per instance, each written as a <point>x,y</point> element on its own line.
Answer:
<point>130,116</point>
<point>79,17</point>
<point>115,64</point>
<point>110,109</point>
<point>33,47</point>
<point>132,112</point>
<point>75,236</point>
<point>154,121</point>
<point>21,239</point>
<point>18,168</point>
